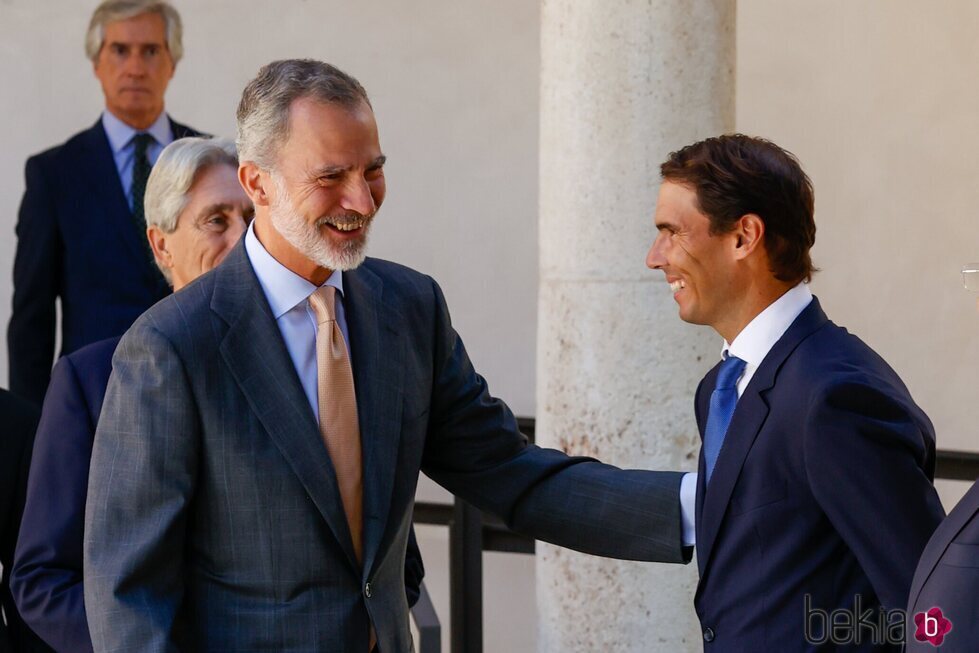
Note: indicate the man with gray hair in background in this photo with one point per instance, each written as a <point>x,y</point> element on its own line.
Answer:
<point>81,232</point>
<point>255,465</point>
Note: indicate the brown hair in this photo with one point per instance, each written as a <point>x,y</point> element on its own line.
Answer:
<point>734,175</point>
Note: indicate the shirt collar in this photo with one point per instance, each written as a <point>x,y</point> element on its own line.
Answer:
<point>757,339</point>
<point>120,134</point>
<point>283,288</point>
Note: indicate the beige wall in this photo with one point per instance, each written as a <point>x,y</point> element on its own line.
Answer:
<point>454,86</point>
<point>877,97</point>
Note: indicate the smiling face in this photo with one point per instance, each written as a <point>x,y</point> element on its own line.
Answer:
<point>700,267</point>
<point>327,187</point>
<point>216,216</point>
<point>135,67</point>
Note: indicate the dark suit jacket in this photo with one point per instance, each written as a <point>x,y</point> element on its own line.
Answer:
<point>18,420</point>
<point>823,489</point>
<point>948,578</point>
<point>214,521</point>
<point>47,573</point>
<point>76,241</point>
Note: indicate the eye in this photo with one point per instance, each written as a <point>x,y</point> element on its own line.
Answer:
<point>151,50</point>
<point>118,49</point>
<point>374,173</point>
<point>216,222</point>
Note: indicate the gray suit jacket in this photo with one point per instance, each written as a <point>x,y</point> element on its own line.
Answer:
<point>214,521</point>
<point>948,578</point>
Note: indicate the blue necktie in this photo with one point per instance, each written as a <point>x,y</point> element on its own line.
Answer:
<point>722,403</point>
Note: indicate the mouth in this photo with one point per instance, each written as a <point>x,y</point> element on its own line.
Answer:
<point>677,286</point>
<point>345,227</point>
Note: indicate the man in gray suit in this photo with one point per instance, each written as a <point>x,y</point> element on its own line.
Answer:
<point>255,464</point>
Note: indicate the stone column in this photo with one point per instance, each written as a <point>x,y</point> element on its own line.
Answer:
<point>623,83</point>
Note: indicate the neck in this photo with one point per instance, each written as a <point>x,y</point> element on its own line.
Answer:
<point>282,251</point>
<point>755,299</point>
<point>137,120</point>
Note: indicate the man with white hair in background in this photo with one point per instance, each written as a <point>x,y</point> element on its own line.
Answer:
<point>81,229</point>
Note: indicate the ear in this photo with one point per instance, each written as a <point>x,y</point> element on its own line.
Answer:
<point>254,181</point>
<point>158,243</point>
<point>750,235</point>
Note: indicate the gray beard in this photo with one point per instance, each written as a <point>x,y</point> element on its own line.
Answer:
<point>306,237</point>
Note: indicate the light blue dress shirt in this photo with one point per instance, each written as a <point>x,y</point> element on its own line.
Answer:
<point>288,296</point>
<point>123,149</point>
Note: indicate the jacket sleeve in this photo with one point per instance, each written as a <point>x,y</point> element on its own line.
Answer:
<point>475,450</point>
<point>46,580</point>
<point>141,482</point>
<point>866,458</point>
<point>37,270</point>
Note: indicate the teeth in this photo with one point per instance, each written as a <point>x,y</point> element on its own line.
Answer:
<point>349,226</point>
<point>676,286</point>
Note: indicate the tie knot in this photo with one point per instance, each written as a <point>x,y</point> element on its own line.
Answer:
<point>323,304</point>
<point>730,372</point>
<point>141,143</point>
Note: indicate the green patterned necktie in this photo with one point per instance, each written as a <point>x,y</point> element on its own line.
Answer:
<point>141,172</point>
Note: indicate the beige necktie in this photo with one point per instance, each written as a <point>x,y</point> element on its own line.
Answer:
<point>338,411</point>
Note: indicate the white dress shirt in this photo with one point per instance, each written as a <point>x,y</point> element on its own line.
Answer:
<point>288,297</point>
<point>757,339</point>
<point>752,346</point>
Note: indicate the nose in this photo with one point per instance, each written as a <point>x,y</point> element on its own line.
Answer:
<point>357,197</point>
<point>135,66</point>
<point>656,258</point>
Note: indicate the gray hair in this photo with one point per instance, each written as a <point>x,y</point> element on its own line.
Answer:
<point>111,11</point>
<point>179,166</point>
<point>263,113</point>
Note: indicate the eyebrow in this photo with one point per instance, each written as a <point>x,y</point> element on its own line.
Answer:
<point>211,209</point>
<point>330,170</point>
<point>664,224</point>
<point>136,44</point>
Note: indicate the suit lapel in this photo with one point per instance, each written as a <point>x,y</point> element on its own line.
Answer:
<point>944,535</point>
<point>181,131</point>
<point>746,423</point>
<point>377,352</point>
<point>255,353</point>
<point>102,179</point>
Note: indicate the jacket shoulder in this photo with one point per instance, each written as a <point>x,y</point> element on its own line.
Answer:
<point>402,279</point>
<point>180,315</point>
<point>65,152</point>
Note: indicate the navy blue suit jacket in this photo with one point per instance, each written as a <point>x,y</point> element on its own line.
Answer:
<point>77,242</point>
<point>822,489</point>
<point>46,580</point>
<point>948,578</point>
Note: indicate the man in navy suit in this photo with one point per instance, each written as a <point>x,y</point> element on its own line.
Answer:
<point>943,607</point>
<point>196,211</point>
<point>254,468</point>
<point>81,230</point>
<point>815,491</point>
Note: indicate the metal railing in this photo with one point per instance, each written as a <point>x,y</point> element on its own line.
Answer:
<point>471,532</point>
